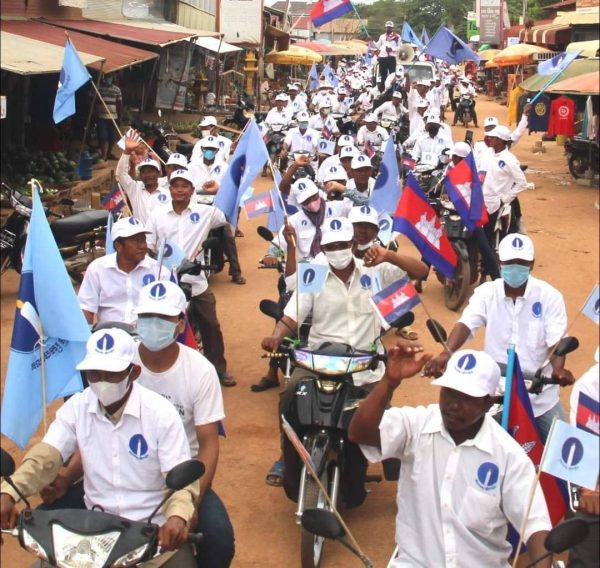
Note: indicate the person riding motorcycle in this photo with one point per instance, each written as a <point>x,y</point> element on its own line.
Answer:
<point>371,134</point>
<point>429,147</point>
<point>323,121</point>
<point>391,110</point>
<point>465,90</point>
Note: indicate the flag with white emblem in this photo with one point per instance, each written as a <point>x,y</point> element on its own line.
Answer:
<point>395,300</point>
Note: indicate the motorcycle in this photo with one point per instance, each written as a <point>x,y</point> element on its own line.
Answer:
<point>320,413</point>
<point>465,106</point>
<point>79,237</point>
<point>582,155</point>
<point>345,123</point>
<point>275,138</point>
<point>94,538</point>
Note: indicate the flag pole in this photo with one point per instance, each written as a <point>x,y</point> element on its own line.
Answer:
<point>508,383</point>
<point>43,380</point>
<point>360,20</point>
<point>552,80</point>
<point>429,316</point>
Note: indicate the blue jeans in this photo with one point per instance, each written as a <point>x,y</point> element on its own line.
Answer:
<point>544,421</point>
<point>218,545</point>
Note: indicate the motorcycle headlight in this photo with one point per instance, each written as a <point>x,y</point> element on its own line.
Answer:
<point>33,546</point>
<point>74,550</point>
<point>131,558</point>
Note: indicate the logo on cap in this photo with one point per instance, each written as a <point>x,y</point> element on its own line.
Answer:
<point>571,453</point>
<point>361,159</point>
<point>158,292</point>
<point>335,225</point>
<point>133,221</point>
<point>195,217</point>
<point>106,344</point>
<point>517,243</point>
<point>466,363</point>
<point>217,169</point>
<point>304,222</point>
<point>138,447</point>
<point>309,276</point>
<point>536,309</point>
<point>333,170</point>
<point>365,281</point>
<point>301,186</point>
<point>221,144</point>
<point>487,475</point>
<point>365,210</point>
<point>147,279</point>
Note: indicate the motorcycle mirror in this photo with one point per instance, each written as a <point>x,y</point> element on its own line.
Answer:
<point>183,474</point>
<point>405,319</point>
<point>469,137</point>
<point>567,534</point>
<point>271,308</point>
<point>265,233</point>
<point>437,331</point>
<point>7,464</point>
<point>130,329</point>
<point>566,345</point>
<point>322,523</point>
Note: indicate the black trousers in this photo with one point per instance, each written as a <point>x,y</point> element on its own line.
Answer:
<point>387,66</point>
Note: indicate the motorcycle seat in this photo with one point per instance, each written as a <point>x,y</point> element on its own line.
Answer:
<point>79,223</point>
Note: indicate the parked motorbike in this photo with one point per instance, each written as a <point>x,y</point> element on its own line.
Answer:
<point>465,110</point>
<point>582,155</point>
<point>93,538</point>
<point>79,237</point>
<point>320,413</point>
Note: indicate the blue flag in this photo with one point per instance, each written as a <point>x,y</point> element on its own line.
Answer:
<point>558,63</point>
<point>591,308</point>
<point>311,277</point>
<point>314,78</point>
<point>246,163</point>
<point>385,228</point>
<point>386,191</point>
<point>409,36</point>
<point>170,255</point>
<point>446,46</point>
<point>330,76</point>
<point>73,75</point>
<point>47,307</point>
<point>424,36</point>
<point>109,247</point>
<point>277,215</point>
<point>572,454</point>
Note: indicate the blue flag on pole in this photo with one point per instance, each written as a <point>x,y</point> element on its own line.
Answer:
<point>171,255</point>
<point>314,78</point>
<point>47,307</point>
<point>409,36</point>
<point>109,247</point>
<point>572,454</point>
<point>73,75</point>
<point>424,36</point>
<point>558,63</point>
<point>446,46</point>
<point>311,277</point>
<point>330,76</point>
<point>386,191</point>
<point>246,163</point>
<point>591,308</point>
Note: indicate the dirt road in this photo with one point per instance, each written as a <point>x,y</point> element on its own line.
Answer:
<point>563,222</point>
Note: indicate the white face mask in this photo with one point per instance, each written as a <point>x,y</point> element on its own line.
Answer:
<point>339,259</point>
<point>205,133</point>
<point>109,393</point>
<point>366,246</point>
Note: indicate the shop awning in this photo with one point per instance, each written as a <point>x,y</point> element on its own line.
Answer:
<point>578,67</point>
<point>323,48</point>
<point>115,55</point>
<point>27,56</point>
<point>587,48</point>
<point>586,84</point>
<point>134,31</point>
<point>549,34</point>
<point>213,44</point>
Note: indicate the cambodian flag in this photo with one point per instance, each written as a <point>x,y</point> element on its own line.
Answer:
<point>588,414</point>
<point>416,219</point>
<point>326,10</point>
<point>369,149</point>
<point>395,300</point>
<point>464,189</point>
<point>114,201</point>
<point>522,427</point>
<point>260,204</point>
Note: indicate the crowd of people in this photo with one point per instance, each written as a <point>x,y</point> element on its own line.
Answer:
<point>154,402</point>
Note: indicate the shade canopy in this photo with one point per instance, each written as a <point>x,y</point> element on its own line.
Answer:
<point>293,56</point>
<point>586,84</point>
<point>517,54</point>
<point>577,67</point>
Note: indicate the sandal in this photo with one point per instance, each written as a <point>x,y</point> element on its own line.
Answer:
<point>275,476</point>
<point>407,333</point>
<point>238,279</point>
<point>227,380</point>
<point>264,384</point>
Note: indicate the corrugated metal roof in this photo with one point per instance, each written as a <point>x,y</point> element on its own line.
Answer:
<point>27,56</point>
<point>130,30</point>
<point>116,55</point>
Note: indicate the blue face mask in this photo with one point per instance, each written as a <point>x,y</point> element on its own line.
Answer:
<point>303,125</point>
<point>209,154</point>
<point>156,333</point>
<point>515,275</point>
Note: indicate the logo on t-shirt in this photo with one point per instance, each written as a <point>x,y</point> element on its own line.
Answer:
<point>138,447</point>
<point>195,217</point>
<point>162,197</point>
<point>487,476</point>
<point>536,309</point>
<point>147,279</point>
<point>365,281</point>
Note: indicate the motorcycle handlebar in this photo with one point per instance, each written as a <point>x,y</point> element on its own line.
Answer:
<point>195,538</point>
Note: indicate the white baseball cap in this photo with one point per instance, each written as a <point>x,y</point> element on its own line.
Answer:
<point>149,162</point>
<point>304,188</point>
<point>281,97</point>
<point>360,161</point>
<point>433,118</point>
<point>335,173</point>
<point>177,160</point>
<point>490,121</point>
<point>516,246</point>
<point>127,227</point>
<point>422,104</point>
<point>342,91</point>
<point>370,118</point>
<point>182,174</point>
<point>499,131</point>
<point>337,229</point>
<point>461,149</point>
<point>326,103</point>
<point>209,142</point>
<point>345,140</point>
<point>349,152</point>
<point>397,95</point>
<point>471,372</point>
<point>208,121</point>
<point>423,83</point>
<point>293,87</point>
<point>302,116</point>
<point>111,350</point>
<point>389,24</point>
<point>165,298</point>
<point>364,214</point>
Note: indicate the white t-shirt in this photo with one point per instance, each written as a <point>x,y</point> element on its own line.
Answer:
<point>192,386</point>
